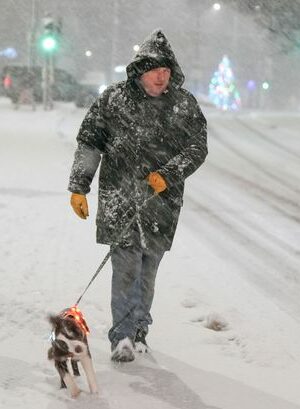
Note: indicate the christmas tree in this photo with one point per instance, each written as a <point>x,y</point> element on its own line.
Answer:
<point>222,89</point>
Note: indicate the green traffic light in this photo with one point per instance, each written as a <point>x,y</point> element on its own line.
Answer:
<point>49,44</point>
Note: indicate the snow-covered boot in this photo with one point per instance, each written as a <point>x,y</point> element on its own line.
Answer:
<point>140,341</point>
<point>123,351</point>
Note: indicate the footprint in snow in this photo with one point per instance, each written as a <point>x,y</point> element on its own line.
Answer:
<point>212,321</point>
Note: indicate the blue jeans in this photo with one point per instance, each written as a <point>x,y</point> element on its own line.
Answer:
<point>133,279</point>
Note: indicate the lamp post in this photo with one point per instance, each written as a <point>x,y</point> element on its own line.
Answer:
<point>32,35</point>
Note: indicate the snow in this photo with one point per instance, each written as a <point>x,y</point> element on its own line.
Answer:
<point>234,266</point>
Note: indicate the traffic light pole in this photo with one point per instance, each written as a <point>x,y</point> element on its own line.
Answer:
<point>49,43</point>
<point>47,82</point>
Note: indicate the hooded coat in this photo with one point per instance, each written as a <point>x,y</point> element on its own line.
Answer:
<point>133,134</point>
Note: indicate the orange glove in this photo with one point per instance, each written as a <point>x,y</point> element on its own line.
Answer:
<point>157,182</point>
<point>80,205</point>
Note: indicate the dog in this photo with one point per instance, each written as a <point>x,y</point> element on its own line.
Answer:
<point>69,342</point>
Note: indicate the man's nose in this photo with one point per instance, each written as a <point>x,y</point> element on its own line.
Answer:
<point>160,76</point>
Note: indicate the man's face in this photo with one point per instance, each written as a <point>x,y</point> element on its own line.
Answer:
<point>156,81</point>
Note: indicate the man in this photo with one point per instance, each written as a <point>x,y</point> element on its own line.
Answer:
<point>150,135</point>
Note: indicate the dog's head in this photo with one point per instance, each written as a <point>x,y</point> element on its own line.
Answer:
<point>66,328</point>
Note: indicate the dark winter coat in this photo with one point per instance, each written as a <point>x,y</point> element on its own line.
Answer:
<point>136,134</point>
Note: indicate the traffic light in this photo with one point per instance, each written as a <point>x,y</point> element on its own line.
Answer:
<point>49,40</point>
<point>49,43</point>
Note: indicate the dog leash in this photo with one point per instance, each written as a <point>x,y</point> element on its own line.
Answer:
<point>113,246</point>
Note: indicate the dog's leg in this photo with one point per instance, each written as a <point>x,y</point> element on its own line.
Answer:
<point>71,385</point>
<point>62,384</point>
<point>87,365</point>
<point>75,367</point>
<point>66,378</point>
<point>62,368</point>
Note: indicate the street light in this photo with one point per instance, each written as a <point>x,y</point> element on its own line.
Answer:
<point>120,68</point>
<point>88,53</point>
<point>265,85</point>
<point>217,6</point>
<point>9,53</point>
<point>136,48</point>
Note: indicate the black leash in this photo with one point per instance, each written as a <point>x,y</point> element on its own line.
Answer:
<point>113,246</point>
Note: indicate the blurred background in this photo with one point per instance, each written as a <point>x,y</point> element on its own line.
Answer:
<point>95,40</point>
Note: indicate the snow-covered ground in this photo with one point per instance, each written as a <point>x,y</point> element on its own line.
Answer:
<point>235,258</point>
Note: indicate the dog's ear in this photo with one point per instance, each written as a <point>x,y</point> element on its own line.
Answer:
<point>54,320</point>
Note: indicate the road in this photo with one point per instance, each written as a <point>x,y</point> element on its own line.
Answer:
<point>235,256</point>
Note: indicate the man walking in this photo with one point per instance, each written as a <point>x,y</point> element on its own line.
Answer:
<point>150,135</point>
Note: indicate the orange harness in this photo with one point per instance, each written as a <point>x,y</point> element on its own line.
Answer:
<point>75,313</point>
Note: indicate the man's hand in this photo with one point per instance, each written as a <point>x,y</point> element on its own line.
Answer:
<point>80,205</point>
<point>157,182</point>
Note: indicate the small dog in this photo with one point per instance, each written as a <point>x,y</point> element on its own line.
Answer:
<point>69,341</point>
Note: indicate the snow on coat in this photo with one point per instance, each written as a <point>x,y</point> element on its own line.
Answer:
<point>134,134</point>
